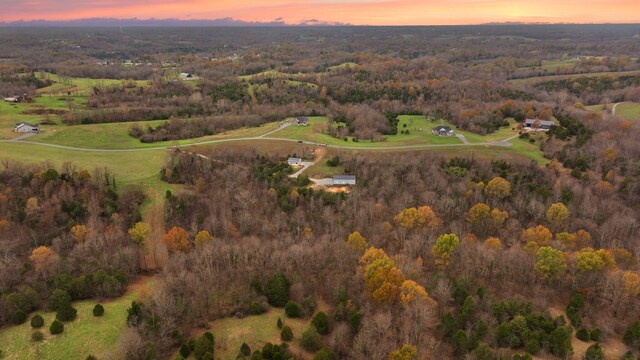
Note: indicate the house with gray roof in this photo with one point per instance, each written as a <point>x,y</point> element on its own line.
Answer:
<point>537,124</point>
<point>442,131</point>
<point>344,180</point>
<point>25,127</point>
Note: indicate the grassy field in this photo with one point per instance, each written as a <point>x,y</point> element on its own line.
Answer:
<point>538,79</point>
<point>256,331</point>
<point>86,335</point>
<point>128,167</point>
<point>628,110</point>
<point>83,86</point>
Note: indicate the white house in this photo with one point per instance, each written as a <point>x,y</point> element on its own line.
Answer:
<point>539,125</point>
<point>24,127</point>
<point>442,131</point>
<point>344,179</point>
<point>294,161</point>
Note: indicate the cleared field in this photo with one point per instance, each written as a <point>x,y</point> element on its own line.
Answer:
<point>86,335</point>
<point>256,331</point>
<point>83,86</point>
<point>628,110</point>
<point>141,167</point>
<point>116,135</point>
<point>538,79</point>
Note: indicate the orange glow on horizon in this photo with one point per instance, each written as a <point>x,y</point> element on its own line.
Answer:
<point>357,12</point>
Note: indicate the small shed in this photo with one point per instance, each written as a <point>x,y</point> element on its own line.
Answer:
<point>344,179</point>
<point>294,161</point>
<point>24,127</point>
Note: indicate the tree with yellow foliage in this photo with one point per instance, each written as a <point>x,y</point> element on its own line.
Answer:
<point>139,233</point>
<point>381,277</point>
<point>177,239</point>
<point>415,218</point>
<point>587,260</point>
<point>406,352</point>
<point>539,234</point>
<point>498,187</point>
<point>551,264</point>
<point>203,237</point>
<point>357,241</point>
<point>411,291</point>
<point>80,233</point>
<point>557,214</point>
<point>443,249</point>
<point>631,284</point>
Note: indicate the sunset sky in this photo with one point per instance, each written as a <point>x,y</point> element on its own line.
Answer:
<point>357,12</point>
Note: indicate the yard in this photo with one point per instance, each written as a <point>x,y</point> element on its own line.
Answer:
<point>86,335</point>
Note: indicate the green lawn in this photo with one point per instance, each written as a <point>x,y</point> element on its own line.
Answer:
<point>628,110</point>
<point>255,330</point>
<point>116,135</point>
<point>86,335</point>
<point>141,167</point>
<point>83,86</point>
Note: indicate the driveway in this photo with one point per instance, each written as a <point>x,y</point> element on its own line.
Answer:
<point>305,165</point>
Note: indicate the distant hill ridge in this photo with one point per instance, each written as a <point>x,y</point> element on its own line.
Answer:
<point>109,22</point>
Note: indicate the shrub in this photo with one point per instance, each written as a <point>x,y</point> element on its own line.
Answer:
<point>334,161</point>
<point>321,322</point>
<point>532,346</point>
<point>594,352</point>
<point>66,313</point>
<point>286,334</point>
<point>37,336</point>
<point>57,327</point>
<point>185,351</point>
<point>245,349</point>
<point>19,317</point>
<point>582,334</point>
<point>91,357</point>
<point>277,290</point>
<point>204,345</point>
<point>59,299</point>
<point>310,339</point>
<point>309,305</point>
<point>98,310</point>
<point>279,324</point>
<point>325,354</point>
<point>37,321</point>
<point>256,308</point>
<point>207,356</point>
<point>596,334</point>
<point>632,335</point>
<point>293,309</point>
<point>574,309</point>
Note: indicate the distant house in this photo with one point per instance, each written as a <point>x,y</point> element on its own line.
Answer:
<point>344,179</point>
<point>24,127</point>
<point>302,121</point>
<point>442,131</point>
<point>537,124</point>
<point>187,76</point>
<point>17,99</point>
<point>294,161</point>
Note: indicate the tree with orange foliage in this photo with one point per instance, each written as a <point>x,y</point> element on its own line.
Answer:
<point>4,225</point>
<point>43,259</point>
<point>493,243</point>
<point>631,284</point>
<point>382,278</point>
<point>80,233</point>
<point>539,234</point>
<point>177,239</point>
<point>411,291</point>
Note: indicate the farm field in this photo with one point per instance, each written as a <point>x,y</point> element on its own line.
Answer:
<point>86,335</point>
<point>83,86</point>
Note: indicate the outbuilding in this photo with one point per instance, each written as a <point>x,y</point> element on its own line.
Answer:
<point>24,127</point>
<point>344,179</point>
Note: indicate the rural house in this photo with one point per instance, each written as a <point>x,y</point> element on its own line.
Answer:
<point>24,127</point>
<point>294,161</point>
<point>442,131</point>
<point>17,99</point>
<point>302,121</point>
<point>344,179</point>
<point>537,124</point>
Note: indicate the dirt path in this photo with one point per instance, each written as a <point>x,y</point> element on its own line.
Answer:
<point>613,109</point>
<point>156,252</point>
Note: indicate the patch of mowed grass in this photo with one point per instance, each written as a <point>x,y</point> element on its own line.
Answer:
<point>255,330</point>
<point>11,114</point>
<point>628,110</point>
<point>86,335</point>
<point>136,167</point>
<point>83,86</point>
